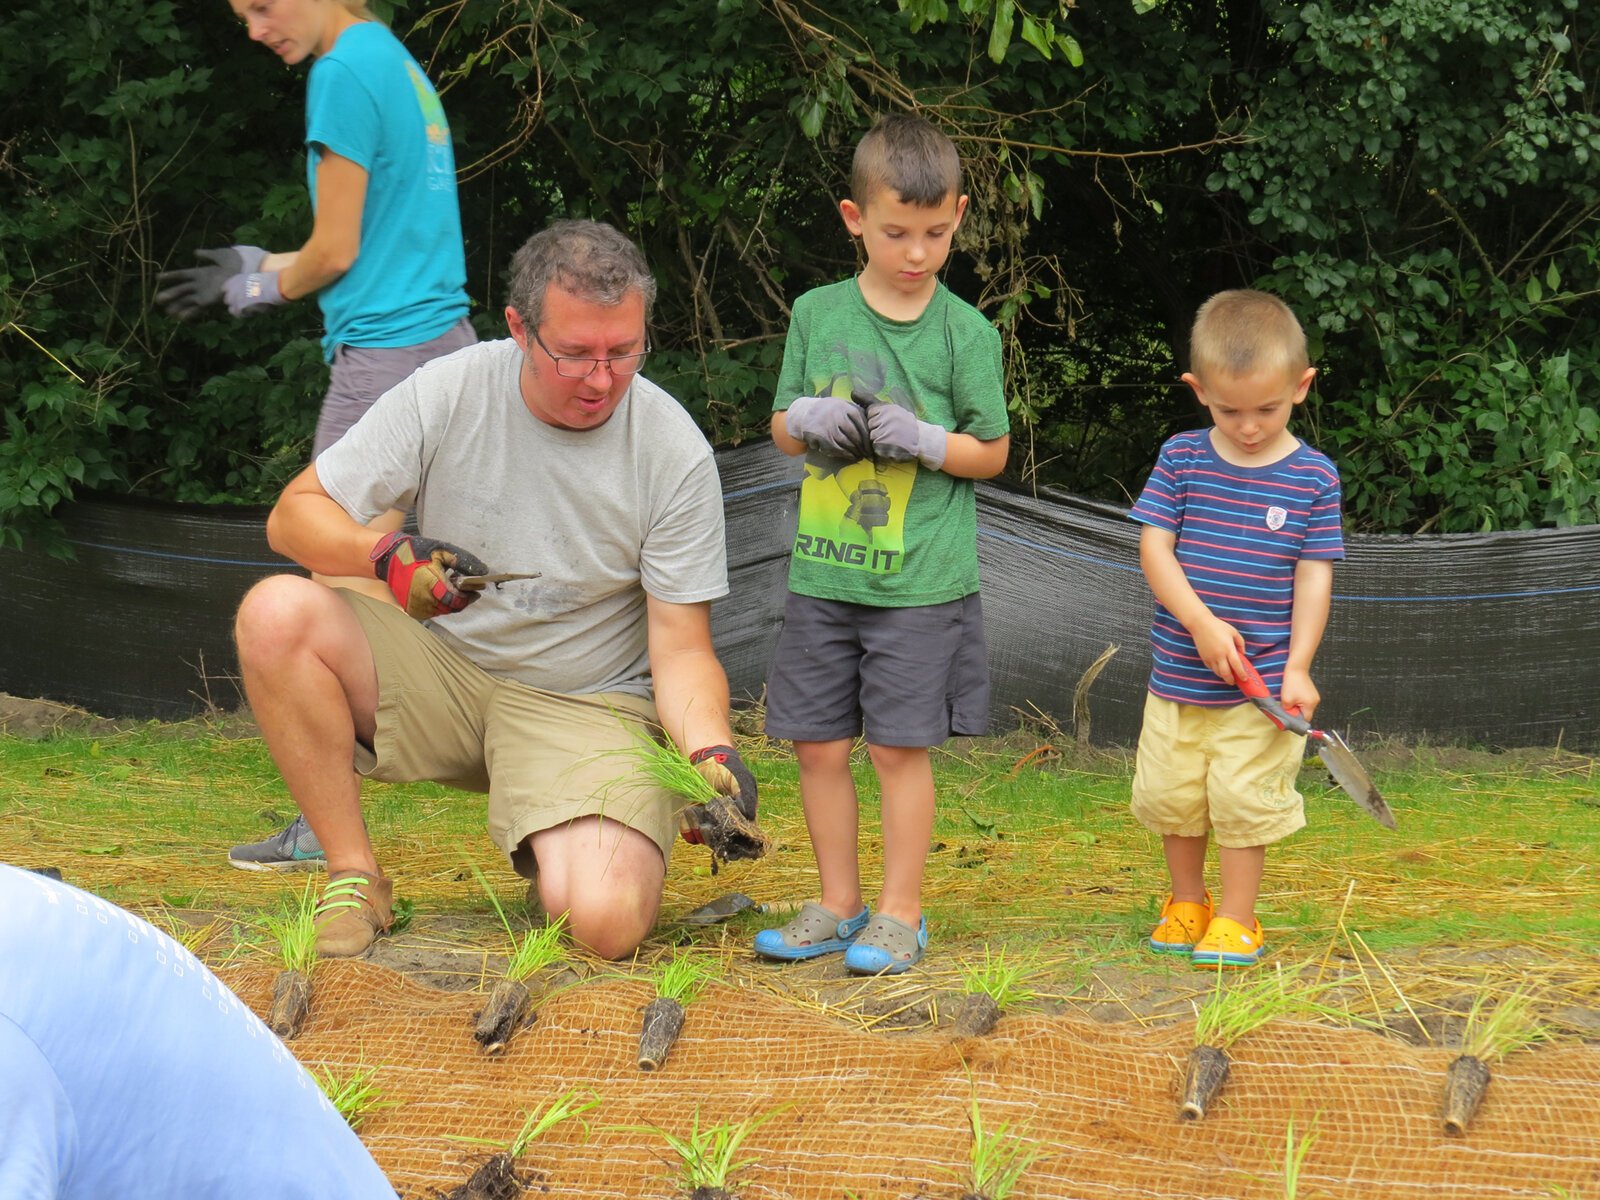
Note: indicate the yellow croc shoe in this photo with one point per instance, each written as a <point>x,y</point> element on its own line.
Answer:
<point>1229,944</point>
<point>1183,922</point>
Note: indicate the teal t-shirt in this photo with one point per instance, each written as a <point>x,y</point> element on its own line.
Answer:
<point>368,101</point>
<point>894,535</point>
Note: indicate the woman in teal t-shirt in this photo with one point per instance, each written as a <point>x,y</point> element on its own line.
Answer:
<point>384,258</point>
<point>384,253</point>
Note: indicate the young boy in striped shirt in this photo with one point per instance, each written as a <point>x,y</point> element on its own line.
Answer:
<point>1241,527</point>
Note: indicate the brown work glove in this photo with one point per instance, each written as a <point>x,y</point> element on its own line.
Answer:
<point>724,770</point>
<point>725,824</point>
<point>418,569</point>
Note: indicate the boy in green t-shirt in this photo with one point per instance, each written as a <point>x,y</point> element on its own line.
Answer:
<point>893,390</point>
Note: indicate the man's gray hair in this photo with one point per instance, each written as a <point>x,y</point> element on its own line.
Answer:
<point>587,259</point>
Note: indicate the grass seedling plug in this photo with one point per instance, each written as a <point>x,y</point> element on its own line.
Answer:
<point>510,1004</point>
<point>1231,1014</point>
<point>993,987</point>
<point>679,981</point>
<point>1488,1035</point>
<point>496,1178</point>
<point>727,833</point>
<point>294,930</point>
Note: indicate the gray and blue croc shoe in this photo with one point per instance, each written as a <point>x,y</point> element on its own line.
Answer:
<point>887,947</point>
<point>814,932</point>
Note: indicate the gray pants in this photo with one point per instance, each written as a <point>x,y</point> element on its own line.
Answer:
<point>358,376</point>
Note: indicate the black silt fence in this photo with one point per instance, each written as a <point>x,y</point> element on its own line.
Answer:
<point>1485,638</point>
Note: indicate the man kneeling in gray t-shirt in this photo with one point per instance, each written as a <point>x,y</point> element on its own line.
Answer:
<point>544,455</point>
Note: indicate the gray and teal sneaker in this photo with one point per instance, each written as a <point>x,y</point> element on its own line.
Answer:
<point>294,848</point>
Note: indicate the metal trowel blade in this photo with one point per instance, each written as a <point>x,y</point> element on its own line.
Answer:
<point>1350,775</point>
<point>476,583</point>
<point>721,909</point>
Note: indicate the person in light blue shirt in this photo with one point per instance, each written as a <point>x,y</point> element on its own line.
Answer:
<point>128,1069</point>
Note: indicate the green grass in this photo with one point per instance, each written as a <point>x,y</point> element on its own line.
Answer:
<point>1004,980</point>
<point>667,767</point>
<point>683,977</point>
<point>569,1106</point>
<point>709,1157</point>
<point>532,950</point>
<point>294,931</point>
<point>998,1157</point>
<point>145,818</point>
<point>355,1094</point>
<point>1239,1005</point>
<point>1509,1025</point>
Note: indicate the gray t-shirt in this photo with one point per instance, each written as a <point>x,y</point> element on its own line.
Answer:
<point>606,515</point>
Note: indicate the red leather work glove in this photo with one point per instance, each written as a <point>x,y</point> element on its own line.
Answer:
<point>418,571</point>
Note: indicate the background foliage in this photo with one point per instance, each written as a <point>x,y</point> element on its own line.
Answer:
<point>1417,177</point>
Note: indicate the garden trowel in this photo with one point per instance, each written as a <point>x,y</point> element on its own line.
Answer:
<point>1336,755</point>
<point>721,909</point>
<point>476,583</point>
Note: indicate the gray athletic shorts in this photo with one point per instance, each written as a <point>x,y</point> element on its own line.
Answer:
<point>915,675</point>
<point>358,376</point>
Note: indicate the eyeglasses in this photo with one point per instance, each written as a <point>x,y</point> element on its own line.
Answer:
<point>582,368</point>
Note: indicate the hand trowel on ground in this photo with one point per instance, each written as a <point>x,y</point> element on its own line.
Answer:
<point>721,909</point>
<point>1336,755</point>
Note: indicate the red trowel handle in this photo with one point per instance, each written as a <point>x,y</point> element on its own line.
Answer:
<point>1253,686</point>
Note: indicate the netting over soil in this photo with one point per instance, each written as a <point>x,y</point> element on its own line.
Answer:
<point>884,1116</point>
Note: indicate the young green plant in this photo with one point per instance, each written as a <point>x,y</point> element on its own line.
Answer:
<point>992,987</point>
<point>708,1159</point>
<point>496,1178</point>
<point>726,832</point>
<point>998,1158</point>
<point>1489,1034</point>
<point>294,930</point>
<point>355,1094</point>
<point>1294,1158</point>
<point>510,1003</point>
<point>678,983</point>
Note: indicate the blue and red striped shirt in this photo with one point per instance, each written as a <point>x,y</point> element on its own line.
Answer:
<point>1240,532</point>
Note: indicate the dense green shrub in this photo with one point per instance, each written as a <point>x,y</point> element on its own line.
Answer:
<point>1415,176</point>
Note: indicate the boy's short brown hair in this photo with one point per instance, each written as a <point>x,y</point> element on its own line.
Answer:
<point>907,154</point>
<point>1242,331</point>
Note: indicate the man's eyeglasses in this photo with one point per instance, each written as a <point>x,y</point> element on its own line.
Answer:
<point>582,368</point>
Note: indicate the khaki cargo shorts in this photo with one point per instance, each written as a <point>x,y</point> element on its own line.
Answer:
<point>544,758</point>
<point>1228,771</point>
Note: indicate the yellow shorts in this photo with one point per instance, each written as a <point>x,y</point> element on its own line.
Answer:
<point>544,758</point>
<point>1227,771</point>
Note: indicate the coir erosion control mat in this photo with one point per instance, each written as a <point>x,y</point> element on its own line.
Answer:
<point>880,1116</point>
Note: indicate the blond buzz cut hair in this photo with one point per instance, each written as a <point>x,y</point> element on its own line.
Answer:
<point>1242,331</point>
<point>909,156</point>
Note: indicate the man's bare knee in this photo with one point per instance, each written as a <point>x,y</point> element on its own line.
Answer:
<point>273,615</point>
<point>610,930</point>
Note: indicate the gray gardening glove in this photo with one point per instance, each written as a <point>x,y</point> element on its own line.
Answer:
<point>247,295</point>
<point>192,290</point>
<point>897,436</point>
<point>829,425</point>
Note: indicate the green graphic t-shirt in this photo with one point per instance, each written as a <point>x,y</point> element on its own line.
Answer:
<point>893,535</point>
